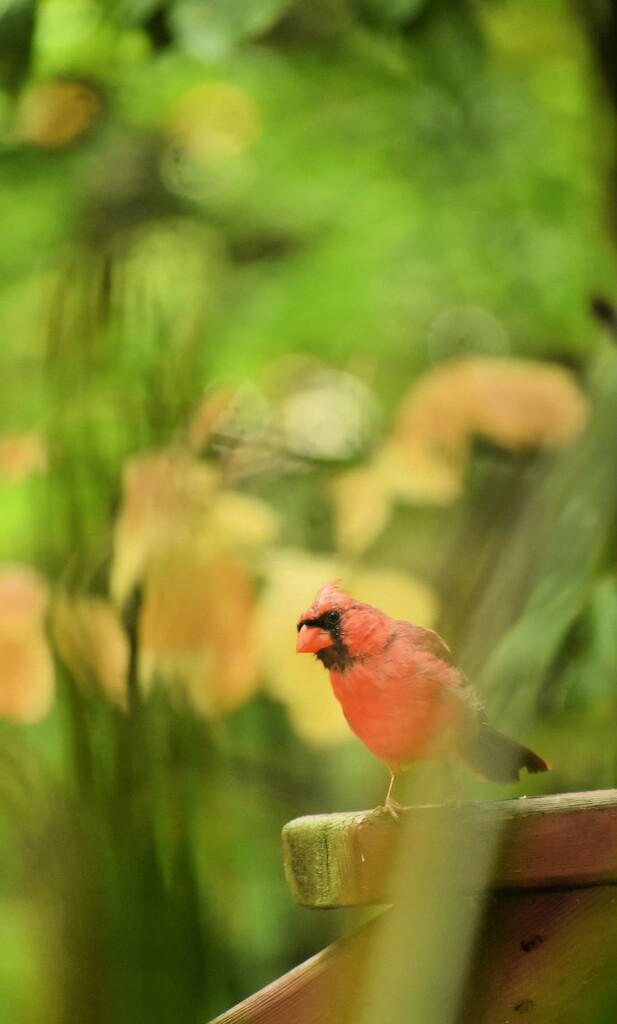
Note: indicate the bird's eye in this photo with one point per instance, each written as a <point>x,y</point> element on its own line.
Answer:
<point>333,617</point>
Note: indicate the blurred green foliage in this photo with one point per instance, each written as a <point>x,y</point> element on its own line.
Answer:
<point>194,194</point>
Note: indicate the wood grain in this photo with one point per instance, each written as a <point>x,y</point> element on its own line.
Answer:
<point>544,957</point>
<point>323,990</point>
<point>540,958</point>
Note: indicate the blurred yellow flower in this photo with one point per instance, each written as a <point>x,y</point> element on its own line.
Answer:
<point>165,494</point>
<point>215,120</point>
<point>55,113</point>
<point>89,638</point>
<point>22,456</point>
<point>196,630</point>
<point>293,577</point>
<point>181,536</point>
<point>513,403</point>
<point>172,500</point>
<point>26,665</point>
<point>523,404</point>
<point>418,475</point>
<point>362,508</point>
<point>240,521</point>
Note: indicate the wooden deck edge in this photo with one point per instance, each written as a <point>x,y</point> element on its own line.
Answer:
<point>563,841</point>
<point>315,992</point>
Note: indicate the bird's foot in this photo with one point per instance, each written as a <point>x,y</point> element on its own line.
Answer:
<point>391,808</point>
<point>396,810</point>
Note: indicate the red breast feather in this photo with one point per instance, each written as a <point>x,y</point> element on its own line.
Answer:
<point>401,700</point>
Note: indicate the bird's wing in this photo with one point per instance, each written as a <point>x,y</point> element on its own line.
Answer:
<point>428,640</point>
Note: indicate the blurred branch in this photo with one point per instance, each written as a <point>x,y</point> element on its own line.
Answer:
<point>131,623</point>
<point>605,313</point>
<point>17,21</point>
<point>599,18</point>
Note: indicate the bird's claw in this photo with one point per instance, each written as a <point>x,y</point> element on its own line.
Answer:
<point>396,810</point>
<point>393,809</point>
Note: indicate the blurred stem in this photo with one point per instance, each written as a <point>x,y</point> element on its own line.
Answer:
<point>131,623</point>
<point>132,796</point>
<point>80,745</point>
<point>599,18</point>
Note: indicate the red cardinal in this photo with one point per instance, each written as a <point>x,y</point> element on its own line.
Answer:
<point>401,693</point>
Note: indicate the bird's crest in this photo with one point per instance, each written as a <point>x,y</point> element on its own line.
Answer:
<point>329,594</point>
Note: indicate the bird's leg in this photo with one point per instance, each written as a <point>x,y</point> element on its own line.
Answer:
<point>391,805</point>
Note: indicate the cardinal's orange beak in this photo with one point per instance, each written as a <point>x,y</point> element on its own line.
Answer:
<point>312,639</point>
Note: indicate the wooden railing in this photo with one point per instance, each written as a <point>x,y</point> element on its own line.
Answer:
<point>524,916</point>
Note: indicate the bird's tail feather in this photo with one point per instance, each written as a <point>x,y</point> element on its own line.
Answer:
<point>497,758</point>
